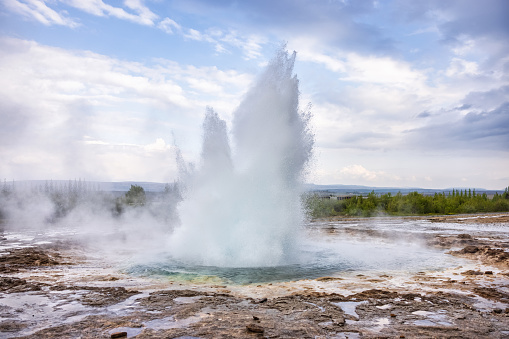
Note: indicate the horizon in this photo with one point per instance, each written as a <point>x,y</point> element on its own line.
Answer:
<point>401,93</point>
<point>306,184</point>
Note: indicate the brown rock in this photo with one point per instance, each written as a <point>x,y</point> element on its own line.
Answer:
<point>470,249</point>
<point>119,335</point>
<point>472,272</point>
<point>328,279</point>
<point>254,328</point>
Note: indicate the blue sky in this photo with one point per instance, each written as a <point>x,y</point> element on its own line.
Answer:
<point>403,93</point>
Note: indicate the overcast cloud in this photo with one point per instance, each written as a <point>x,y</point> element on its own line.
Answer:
<point>403,93</point>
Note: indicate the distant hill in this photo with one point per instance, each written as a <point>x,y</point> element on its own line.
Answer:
<point>123,186</point>
<point>358,189</point>
<point>126,185</point>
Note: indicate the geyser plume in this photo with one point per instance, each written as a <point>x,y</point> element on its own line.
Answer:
<point>244,209</point>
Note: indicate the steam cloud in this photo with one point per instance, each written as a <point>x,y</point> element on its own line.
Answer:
<point>241,207</point>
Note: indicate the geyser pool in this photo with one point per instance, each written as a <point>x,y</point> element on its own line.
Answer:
<point>242,207</point>
<point>322,253</point>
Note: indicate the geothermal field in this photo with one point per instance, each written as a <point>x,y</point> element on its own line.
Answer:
<point>228,251</point>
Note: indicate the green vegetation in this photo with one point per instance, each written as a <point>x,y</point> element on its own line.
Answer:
<point>460,201</point>
<point>135,196</point>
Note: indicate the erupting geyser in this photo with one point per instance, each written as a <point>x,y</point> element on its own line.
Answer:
<point>243,208</point>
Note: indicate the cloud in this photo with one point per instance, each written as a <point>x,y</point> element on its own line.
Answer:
<point>460,67</point>
<point>358,172</point>
<point>137,12</point>
<point>384,70</point>
<point>485,100</point>
<point>167,25</point>
<point>250,45</point>
<point>39,11</point>
<point>484,131</point>
<point>333,23</point>
<point>54,103</point>
<point>462,24</point>
<point>142,14</point>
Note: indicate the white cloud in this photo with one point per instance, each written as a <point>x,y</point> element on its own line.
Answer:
<point>78,113</point>
<point>382,70</point>
<point>39,11</point>
<point>358,172</point>
<point>142,14</point>
<point>464,45</point>
<point>193,34</point>
<point>250,45</point>
<point>146,16</point>
<point>167,25</point>
<point>123,162</point>
<point>331,63</point>
<point>460,67</point>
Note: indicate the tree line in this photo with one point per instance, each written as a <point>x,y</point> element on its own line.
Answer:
<point>414,203</point>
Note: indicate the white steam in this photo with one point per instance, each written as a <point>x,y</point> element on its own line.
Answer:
<point>244,210</point>
<point>241,207</point>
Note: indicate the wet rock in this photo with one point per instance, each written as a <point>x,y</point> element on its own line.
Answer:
<point>11,326</point>
<point>489,272</point>
<point>472,272</point>
<point>160,300</point>
<point>328,279</point>
<point>492,294</point>
<point>254,328</point>
<point>496,253</point>
<point>374,293</point>
<point>469,249</point>
<point>28,257</point>
<point>102,296</point>
<point>17,285</point>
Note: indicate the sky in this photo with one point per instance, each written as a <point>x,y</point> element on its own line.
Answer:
<point>403,93</point>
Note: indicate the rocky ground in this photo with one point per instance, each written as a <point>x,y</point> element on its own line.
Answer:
<point>56,291</point>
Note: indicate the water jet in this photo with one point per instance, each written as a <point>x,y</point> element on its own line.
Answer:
<point>242,208</point>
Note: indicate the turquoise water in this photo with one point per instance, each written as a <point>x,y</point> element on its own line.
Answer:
<point>322,253</point>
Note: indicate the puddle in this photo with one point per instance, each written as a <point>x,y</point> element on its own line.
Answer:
<point>131,331</point>
<point>349,307</point>
<point>434,318</point>
<point>347,335</point>
<point>128,304</point>
<point>40,311</point>
<point>321,308</point>
<point>187,300</point>
<point>380,323</point>
<point>171,322</point>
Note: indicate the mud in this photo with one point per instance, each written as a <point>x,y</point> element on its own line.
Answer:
<point>53,292</point>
